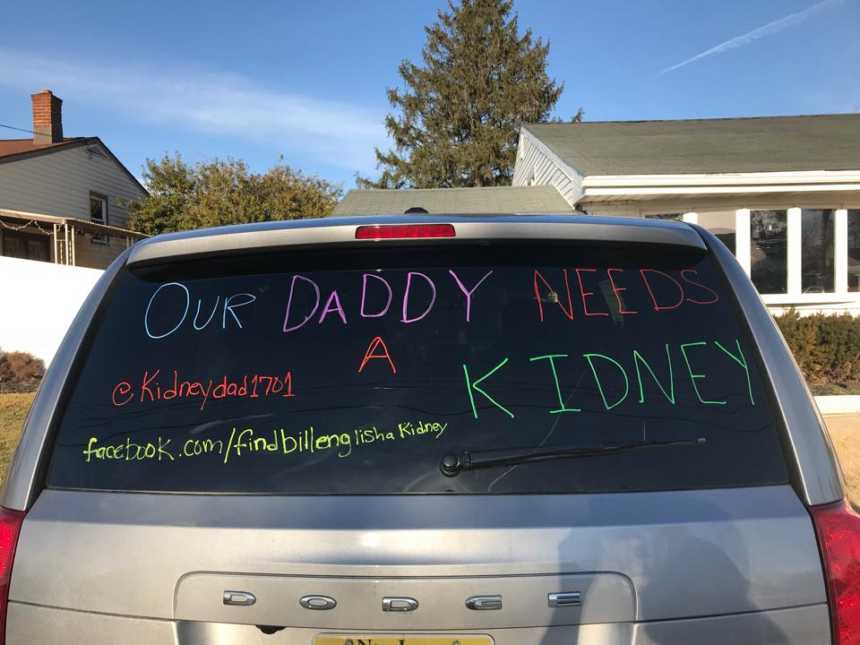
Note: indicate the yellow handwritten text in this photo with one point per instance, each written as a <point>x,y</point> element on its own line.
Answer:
<point>128,450</point>
<point>248,441</point>
<point>410,429</point>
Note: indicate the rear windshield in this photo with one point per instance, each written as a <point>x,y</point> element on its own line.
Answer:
<point>358,371</point>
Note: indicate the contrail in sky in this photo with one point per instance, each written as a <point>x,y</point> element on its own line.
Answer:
<point>769,29</point>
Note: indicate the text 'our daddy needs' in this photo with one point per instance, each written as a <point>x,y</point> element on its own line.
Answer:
<point>577,293</point>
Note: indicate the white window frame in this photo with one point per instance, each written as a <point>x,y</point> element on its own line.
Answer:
<point>794,293</point>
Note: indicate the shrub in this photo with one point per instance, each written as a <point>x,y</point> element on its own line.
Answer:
<point>20,372</point>
<point>826,347</point>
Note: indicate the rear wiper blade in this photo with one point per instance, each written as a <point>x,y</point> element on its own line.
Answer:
<point>452,464</point>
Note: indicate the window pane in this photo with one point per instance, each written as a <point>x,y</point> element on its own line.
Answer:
<point>97,212</point>
<point>817,251</point>
<point>673,216</point>
<point>769,250</point>
<point>854,250</point>
<point>333,375</point>
<point>37,249</point>
<point>13,246</point>
<point>721,224</point>
<point>98,215</point>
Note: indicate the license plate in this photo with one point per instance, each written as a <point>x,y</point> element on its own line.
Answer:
<point>399,639</point>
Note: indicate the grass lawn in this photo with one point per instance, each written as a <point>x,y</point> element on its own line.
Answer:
<point>845,433</point>
<point>844,429</point>
<point>13,411</point>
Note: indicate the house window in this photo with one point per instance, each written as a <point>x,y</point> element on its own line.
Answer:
<point>672,216</point>
<point>99,215</point>
<point>769,250</point>
<point>854,250</point>
<point>722,225</point>
<point>817,251</point>
<point>28,246</point>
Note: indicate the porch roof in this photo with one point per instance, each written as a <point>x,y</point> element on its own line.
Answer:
<point>25,218</point>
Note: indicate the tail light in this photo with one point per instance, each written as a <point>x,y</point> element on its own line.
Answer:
<point>10,526</point>
<point>838,530</point>
<point>404,231</point>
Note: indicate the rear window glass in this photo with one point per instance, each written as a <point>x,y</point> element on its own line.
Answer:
<point>357,371</point>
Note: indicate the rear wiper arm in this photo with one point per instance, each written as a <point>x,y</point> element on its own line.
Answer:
<point>452,464</point>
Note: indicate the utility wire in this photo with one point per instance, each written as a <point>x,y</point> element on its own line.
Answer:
<point>12,127</point>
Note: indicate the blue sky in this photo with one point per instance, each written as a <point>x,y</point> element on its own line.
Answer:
<point>307,81</point>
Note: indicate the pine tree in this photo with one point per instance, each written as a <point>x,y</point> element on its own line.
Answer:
<point>461,111</point>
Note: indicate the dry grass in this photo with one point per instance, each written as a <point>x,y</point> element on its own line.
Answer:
<point>13,411</point>
<point>844,430</point>
<point>845,433</point>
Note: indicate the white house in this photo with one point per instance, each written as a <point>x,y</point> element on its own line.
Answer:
<point>782,192</point>
<point>63,200</point>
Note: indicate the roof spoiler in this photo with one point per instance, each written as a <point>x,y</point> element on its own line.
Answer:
<point>342,230</point>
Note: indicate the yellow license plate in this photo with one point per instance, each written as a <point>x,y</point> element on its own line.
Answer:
<point>399,639</point>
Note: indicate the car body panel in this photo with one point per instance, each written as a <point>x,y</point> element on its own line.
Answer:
<point>341,230</point>
<point>753,549</point>
<point>38,625</point>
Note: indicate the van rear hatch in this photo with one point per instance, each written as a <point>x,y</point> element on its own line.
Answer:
<point>509,442</point>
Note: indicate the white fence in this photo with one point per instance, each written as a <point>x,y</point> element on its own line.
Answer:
<point>38,301</point>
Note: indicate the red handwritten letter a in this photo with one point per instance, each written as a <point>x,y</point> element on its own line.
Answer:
<point>377,342</point>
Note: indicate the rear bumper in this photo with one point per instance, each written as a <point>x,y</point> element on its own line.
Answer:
<point>36,625</point>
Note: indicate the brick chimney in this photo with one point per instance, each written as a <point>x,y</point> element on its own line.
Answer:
<point>47,118</point>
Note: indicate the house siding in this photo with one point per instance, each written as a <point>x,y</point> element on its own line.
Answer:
<point>59,183</point>
<point>537,166</point>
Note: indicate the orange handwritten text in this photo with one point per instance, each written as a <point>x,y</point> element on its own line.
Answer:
<point>155,386</point>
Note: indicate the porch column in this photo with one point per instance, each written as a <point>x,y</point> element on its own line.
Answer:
<point>840,235</point>
<point>72,236</point>
<point>743,235</point>
<point>66,242</point>
<point>795,252</point>
<point>55,240</point>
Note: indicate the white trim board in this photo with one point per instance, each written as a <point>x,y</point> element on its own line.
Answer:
<point>829,298</point>
<point>725,179</point>
<point>633,187</point>
<point>722,189</point>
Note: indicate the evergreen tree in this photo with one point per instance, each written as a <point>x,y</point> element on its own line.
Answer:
<point>461,110</point>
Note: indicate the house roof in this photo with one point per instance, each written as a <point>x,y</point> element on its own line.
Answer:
<point>704,146</point>
<point>526,200</point>
<point>9,147</point>
<point>17,149</point>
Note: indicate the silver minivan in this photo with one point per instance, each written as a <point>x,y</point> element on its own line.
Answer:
<point>425,430</point>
